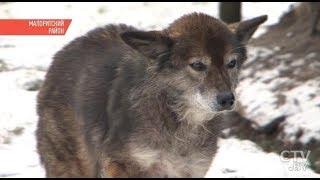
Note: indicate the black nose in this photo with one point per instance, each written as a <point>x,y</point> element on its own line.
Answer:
<point>225,100</point>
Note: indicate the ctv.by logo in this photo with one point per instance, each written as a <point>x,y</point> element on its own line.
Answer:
<point>298,160</point>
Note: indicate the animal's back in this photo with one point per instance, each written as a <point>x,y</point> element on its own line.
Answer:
<point>76,88</point>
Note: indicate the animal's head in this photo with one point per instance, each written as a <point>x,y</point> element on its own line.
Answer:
<point>198,55</point>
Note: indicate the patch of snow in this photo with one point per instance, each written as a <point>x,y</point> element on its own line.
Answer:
<point>259,94</point>
<point>18,105</point>
<point>311,55</point>
<point>297,62</point>
<point>20,159</point>
<point>256,53</point>
<point>289,34</point>
<point>258,101</point>
<point>242,158</point>
<point>284,56</point>
<point>18,156</point>
<point>307,116</point>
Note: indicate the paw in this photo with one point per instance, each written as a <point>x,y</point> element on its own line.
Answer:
<point>115,169</point>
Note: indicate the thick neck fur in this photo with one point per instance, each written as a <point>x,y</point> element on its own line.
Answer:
<point>170,136</point>
<point>165,105</point>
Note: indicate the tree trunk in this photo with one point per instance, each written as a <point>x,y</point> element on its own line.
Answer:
<point>230,12</point>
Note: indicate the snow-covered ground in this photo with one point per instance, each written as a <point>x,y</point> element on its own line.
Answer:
<point>18,156</point>
<point>300,103</point>
<point>27,58</point>
<point>243,158</point>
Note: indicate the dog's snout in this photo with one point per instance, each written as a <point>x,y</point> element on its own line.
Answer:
<point>225,100</point>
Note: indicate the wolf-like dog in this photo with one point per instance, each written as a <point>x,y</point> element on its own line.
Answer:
<point>123,102</point>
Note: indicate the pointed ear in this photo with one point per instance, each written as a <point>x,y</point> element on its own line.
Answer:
<point>245,29</point>
<point>151,43</point>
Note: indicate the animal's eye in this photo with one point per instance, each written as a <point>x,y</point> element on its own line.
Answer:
<point>198,66</point>
<point>232,64</point>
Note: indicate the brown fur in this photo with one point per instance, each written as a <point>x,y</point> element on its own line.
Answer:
<point>120,102</point>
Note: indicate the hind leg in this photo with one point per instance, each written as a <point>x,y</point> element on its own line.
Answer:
<point>61,150</point>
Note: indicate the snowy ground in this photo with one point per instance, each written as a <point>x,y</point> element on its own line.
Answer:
<point>27,58</point>
<point>299,101</point>
<point>242,158</point>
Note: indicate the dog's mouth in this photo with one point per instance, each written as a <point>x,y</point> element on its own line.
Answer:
<point>216,109</point>
<point>228,109</point>
<point>211,103</point>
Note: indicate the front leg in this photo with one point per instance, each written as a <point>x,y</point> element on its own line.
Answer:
<point>117,169</point>
<point>114,170</point>
<point>121,169</point>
